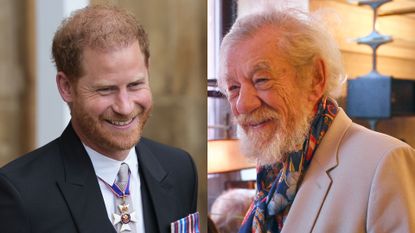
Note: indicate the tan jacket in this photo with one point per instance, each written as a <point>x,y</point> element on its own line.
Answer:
<point>358,181</point>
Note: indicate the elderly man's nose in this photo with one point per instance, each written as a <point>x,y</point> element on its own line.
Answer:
<point>248,100</point>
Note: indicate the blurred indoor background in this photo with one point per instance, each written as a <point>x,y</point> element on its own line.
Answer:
<point>389,108</point>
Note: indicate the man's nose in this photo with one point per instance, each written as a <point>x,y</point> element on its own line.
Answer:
<point>248,100</point>
<point>123,105</point>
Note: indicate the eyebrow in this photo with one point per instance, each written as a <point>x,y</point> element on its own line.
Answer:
<point>105,83</point>
<point>138,78</point>
<point>259,67</point>
<point>262,65</point>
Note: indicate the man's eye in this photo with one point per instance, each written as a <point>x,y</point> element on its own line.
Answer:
<point>233,88</point>
<point>232,91</point>
<point>262,83</point>
<point>105,90</point>
<point>135,84</point>
<point>261,80</point>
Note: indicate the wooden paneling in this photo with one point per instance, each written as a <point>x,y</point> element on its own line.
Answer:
<point>349,21</point>
<point>357,64</point>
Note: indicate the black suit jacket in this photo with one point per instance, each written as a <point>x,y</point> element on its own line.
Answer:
<point>55,189</point>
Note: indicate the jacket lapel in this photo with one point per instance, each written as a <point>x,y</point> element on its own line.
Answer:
<point>80,187</point>
<point>317,181</point>
<point>160,192</point>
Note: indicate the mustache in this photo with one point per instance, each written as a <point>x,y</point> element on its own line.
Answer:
<point>259,115</point>
<point>114,116</point>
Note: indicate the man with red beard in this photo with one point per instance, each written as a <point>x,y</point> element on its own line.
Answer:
<point>317,171</point>
<point>100,175</point>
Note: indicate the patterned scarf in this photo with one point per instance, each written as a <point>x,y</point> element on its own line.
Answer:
<point>277,184</point>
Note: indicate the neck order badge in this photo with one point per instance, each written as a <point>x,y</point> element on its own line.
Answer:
<point>124,213</point>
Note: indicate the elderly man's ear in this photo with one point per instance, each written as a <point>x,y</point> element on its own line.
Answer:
<point>318,82</point>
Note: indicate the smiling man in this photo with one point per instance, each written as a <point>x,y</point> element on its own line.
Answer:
<point>100,175</point>
<point>317,170</point>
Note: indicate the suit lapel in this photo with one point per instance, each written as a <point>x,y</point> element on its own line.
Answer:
<point>80,188</point>
<point>160,192</point>
<point>317,181</point>
<point>150,219</point>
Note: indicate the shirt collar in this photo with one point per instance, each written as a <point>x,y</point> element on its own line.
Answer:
<point>107,168</point>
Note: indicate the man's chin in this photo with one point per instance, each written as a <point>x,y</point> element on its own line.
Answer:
<point>115,141</point>
<point>116,146</point>
<point>273,149</point>
<point>262,151</point>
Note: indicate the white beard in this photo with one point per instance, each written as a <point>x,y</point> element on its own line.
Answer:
<point>282,142</point>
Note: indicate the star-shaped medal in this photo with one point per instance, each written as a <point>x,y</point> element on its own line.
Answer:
<point>124,218</point>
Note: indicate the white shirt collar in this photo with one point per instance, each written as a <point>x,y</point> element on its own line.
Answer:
<point>107,168</point>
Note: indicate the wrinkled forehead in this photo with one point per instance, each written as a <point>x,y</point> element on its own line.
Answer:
<point>266,37</point>
<point>249,53</point>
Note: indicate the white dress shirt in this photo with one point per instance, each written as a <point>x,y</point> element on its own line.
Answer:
<point>107,170</point>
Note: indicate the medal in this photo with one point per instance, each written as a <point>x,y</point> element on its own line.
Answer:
<point>125,215</point>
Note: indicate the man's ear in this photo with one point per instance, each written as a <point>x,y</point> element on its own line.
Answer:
<point>65,86</point>
<point>319,79</point>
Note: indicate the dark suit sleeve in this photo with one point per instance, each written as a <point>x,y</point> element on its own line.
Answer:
<point>12,217</point>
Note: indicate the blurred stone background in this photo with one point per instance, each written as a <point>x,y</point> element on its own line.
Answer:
<point>15,83</point>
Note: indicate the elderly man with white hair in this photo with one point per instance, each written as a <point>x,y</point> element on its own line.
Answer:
<point>317,170</point>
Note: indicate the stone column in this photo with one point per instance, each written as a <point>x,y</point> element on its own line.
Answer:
<point>12,83</point>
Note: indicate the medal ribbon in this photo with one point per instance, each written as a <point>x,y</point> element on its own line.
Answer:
<point>117,190</point>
